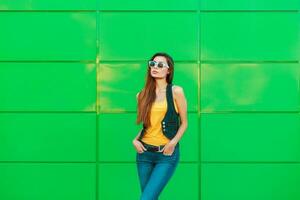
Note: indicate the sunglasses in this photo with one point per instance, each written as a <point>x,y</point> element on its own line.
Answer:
<point>153,64</point>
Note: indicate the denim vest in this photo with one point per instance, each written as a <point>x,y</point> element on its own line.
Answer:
<point>171,121</point>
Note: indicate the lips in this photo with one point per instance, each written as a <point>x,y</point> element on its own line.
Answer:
<point>154,71</point>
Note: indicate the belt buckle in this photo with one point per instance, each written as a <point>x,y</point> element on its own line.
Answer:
<point>159,148</point>
<point>154,148</point>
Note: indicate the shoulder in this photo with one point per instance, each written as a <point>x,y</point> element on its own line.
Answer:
<point>177,90</point>
<point>141,91</point>
<point>138,93</point>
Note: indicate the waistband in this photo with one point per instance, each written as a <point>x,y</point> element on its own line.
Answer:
<point>152,148</point>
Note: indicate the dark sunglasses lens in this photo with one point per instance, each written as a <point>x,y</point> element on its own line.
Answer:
<point>151,64</point>
<point>160,65</point>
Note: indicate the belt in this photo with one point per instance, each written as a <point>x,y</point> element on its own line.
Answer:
<point>151,147</point>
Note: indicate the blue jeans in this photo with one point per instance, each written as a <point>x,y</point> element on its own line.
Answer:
<point>155,170</point>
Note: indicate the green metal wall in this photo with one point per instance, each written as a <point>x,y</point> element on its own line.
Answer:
<point>69,72</point>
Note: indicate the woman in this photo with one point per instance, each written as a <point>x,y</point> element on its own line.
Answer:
<point>161,105</point>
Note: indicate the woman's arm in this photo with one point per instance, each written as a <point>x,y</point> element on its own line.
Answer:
<point>138,135</point>
<point>181,103</point>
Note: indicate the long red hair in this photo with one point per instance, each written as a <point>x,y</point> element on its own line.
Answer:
<point>147,95</point>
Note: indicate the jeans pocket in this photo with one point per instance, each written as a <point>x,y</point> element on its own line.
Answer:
<point>141,153</point>
<point>144,156</point>
<point>171,158</point>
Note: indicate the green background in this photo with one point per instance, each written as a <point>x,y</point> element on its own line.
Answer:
<point>70,70</point>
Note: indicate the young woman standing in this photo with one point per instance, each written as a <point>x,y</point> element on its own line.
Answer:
<point>162,107</point>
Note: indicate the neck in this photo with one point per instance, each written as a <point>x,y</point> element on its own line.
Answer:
<point>161,84</point>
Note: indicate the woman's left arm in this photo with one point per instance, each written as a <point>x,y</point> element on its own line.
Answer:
<point>181,103</point>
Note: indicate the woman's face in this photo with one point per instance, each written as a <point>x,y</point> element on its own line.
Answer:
<point>157,72</point>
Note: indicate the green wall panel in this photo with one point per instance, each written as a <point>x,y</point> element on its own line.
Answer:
<point>250,181</point>
<point>112,138</point>
<point>244,36</point>
<point>250,5</point>
<point>250,87</point>
<point>126,177</point>
<point>112,93</point>
<point>47,137</point>
<point>48,36</point>
<point>36,181</point>
<point>48,5</point>
<point>149,5</point>
<point>47,86</point>
<point>242,137</point>
<point>146,33</point>
<point>70,70</point>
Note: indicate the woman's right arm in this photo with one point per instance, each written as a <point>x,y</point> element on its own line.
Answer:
<point>137,96</point>
<point>138,135</point>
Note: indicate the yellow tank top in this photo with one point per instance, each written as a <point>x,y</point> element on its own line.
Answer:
<point>153,134</point>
